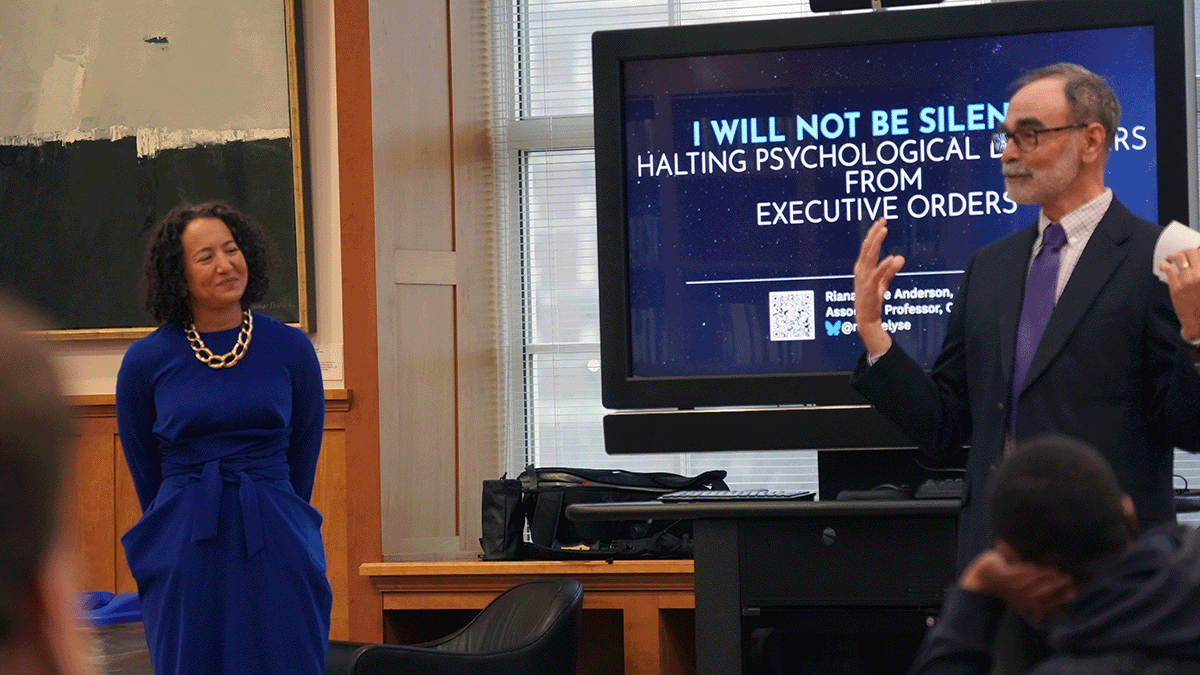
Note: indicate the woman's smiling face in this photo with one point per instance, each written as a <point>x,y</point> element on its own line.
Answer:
<point>213,266</point>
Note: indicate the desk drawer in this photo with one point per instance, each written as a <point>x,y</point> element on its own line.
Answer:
<point>881,561</point>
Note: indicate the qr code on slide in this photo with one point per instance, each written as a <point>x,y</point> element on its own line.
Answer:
<point>792,315</point>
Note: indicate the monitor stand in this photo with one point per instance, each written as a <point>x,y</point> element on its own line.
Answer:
<point>861,470</point>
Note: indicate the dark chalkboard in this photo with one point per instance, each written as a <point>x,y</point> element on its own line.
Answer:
<point>76,216</point>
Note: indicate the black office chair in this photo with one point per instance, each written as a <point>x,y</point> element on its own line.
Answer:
<point>341,656</point>
<point>530,628</point>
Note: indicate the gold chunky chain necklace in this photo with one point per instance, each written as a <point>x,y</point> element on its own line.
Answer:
<point>225,360</point>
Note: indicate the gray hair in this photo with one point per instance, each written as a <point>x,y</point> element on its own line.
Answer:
<point>1088,95</point>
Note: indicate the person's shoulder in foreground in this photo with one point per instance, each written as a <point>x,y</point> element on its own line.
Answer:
<point>1068,557</point>
<point>1141,615</point>
<point>39,631</point>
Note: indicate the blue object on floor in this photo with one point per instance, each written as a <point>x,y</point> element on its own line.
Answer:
<point>102,608</point>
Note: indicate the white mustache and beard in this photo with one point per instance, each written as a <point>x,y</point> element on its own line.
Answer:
<point>1028,186</point>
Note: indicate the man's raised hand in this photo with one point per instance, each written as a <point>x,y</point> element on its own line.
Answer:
<point>872,277</point>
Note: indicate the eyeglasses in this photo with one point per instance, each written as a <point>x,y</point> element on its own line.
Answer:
<point>1026,138</point>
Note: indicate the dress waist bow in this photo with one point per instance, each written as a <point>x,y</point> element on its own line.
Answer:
<point>269,463</point>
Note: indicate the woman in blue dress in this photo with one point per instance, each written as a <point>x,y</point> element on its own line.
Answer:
<point>220,412</point>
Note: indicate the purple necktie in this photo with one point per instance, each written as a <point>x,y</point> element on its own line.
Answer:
<point>1035,310</point>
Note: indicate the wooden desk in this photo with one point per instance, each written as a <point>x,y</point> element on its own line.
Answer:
<point>646,605</point>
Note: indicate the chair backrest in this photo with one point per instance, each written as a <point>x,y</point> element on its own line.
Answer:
<point>530,628</point>
<point>519,616</point>
<point>340,656</point>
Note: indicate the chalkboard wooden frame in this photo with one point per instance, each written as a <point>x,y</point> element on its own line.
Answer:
<point>256,176</point>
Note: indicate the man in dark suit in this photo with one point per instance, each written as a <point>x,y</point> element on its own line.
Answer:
<point>1111,367</point>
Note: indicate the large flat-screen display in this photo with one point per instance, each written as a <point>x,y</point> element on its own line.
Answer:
<point>738,166</point>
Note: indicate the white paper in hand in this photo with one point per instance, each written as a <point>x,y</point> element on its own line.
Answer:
<point>1174,237</point>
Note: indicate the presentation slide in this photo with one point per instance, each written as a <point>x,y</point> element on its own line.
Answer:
<point>752,177</point>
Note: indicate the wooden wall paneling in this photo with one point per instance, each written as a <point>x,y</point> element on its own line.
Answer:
<point>127,513</point>
<point>90,503</point>
<point>352,71</point>
<point>415,236</point>
<point>329,497</point>
<point>420,474</point>
<point>477,296</point>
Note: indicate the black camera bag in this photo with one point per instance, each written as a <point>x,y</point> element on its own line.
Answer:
<point>547,492</point>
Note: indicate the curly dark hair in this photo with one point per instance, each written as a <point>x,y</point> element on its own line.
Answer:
<point>163,281</point>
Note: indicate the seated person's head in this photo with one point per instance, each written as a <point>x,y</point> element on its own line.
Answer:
<point>38,597</point>
<point>1055,502</point>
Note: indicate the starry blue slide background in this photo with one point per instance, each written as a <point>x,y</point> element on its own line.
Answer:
<point>704,227</point>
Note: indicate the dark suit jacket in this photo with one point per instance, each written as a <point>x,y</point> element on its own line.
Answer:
<point>1111,370</point>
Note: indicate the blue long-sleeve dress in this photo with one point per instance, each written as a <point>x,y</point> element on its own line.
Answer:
<point>227,554</point>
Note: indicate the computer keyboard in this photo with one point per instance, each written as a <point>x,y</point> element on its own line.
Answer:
<point>734,495</point>
<point>940,488</point>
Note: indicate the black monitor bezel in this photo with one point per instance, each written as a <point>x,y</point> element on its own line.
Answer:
<point>1175,109</point>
